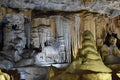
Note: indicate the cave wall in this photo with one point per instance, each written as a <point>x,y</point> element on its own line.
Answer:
<point>72,25</point>
<point>62,29</point>
<point>69,25</point>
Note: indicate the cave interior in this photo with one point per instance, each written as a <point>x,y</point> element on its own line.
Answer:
<point>50,42</point>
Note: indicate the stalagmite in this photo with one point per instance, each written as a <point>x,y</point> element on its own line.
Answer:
<point>59,74</point>
<point>89,23</point>
<point>88,64</point>
<point>88,57</point>
<point>4,76</point>
<point>76,34</point>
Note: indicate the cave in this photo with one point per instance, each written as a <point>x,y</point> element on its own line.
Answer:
<point>60,39</point>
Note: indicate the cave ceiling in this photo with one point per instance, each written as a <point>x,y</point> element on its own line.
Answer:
<point>109,7</point>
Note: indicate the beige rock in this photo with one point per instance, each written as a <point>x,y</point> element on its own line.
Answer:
<point>4,76</point>
<point>60,74</point>
<point>97,76</point>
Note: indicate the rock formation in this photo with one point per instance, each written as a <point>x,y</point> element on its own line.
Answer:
<point>88,64</point>
<point>26,27</point>
<point>88,57</point>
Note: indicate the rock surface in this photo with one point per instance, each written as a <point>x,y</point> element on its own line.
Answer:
<point>33,73</point>
<point>63,21</point>
<point>110,7</point>
<point>14,35</point>
<point>97,76</point>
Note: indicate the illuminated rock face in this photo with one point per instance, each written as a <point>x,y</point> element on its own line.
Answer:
<point>63,22</point>
<point>4,76</point>
<point>88,58</point>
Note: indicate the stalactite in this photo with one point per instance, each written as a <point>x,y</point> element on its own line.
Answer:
<point>100,23</point>
<point>89,23</point>
<point>117,23</point>
<point>60,39</point>
<point>35,37</point>
<point>67,38</point>
<point>53,26</point>
<point>72,19</point>
<point>75,33</point>
<point>66,31</point>
<point>59,27</point>
<point>81,26</point>
<point>63,30</point>
<point>41,31</point>
<point>113,25</point>
<point>44,35</point>
<point>77,25</point>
